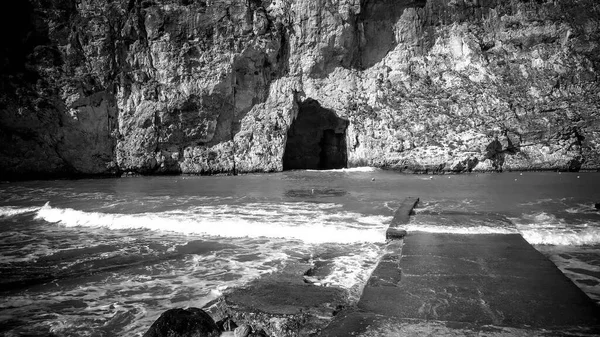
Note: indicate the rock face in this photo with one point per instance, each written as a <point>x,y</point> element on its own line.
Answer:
<point>209,86</point>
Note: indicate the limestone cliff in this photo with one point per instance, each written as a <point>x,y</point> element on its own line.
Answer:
<point>209,86</point>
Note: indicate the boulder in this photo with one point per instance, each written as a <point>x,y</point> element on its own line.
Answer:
<point>191,322</point>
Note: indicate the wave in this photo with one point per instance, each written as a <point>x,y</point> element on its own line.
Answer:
<point>538,228</point>
<point>539,236</point>
<point>562,237</point>
<point>547,229</point>
<point>309,222</point>
<point>8,211</point>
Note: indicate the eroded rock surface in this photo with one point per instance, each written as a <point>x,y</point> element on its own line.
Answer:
<point>281,304</point>
<point>210,86</point>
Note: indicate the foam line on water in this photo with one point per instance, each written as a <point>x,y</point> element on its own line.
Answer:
<point>8,211</point>
<point>582,209</point>
<point>562,237</point>
<point>352,271</point>
<point>315,223</point>
<point>191,282</point>
<point>546,229</point>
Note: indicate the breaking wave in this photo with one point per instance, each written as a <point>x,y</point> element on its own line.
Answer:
<point>8,211</point>
<point>309,222</point>
<point>547,229</point>
<point>587,236</point>
<point>538,228</point>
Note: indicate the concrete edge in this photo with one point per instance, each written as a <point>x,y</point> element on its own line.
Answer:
<point>401,218</point>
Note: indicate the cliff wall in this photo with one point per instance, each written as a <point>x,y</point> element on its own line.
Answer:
<point>210,86</point>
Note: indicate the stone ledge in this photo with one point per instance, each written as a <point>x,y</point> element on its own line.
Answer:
<point>282,304</point>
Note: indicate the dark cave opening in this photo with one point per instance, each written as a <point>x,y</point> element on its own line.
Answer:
<point>316,139</point>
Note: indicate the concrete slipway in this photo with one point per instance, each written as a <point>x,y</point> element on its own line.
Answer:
<point>474,285</point>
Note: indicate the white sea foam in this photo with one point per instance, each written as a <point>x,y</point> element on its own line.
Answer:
<point>546,229</point>
<point>558,236</point>
<point>130,303</point>
<point>582,209</point>
<point>309,222</point>
<point>352,271</point>
<point>8,211</point>
<point>536,234</point>
<point>538,202</point>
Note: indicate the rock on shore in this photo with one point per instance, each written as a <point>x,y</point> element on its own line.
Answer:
<point>210,86</point>
<point>281,304</point>
<point>192,322</point>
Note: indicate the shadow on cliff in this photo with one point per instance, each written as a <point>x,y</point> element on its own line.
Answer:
<point>30,121</point>
<point>366,39</point>
<point>18,41</point>
<point>496,151</point>
<point>377,20</point>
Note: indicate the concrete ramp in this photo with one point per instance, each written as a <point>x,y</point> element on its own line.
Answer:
<point>484,279</point>
<point>453,284</point>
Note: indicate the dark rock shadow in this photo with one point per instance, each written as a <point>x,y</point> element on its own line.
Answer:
<point>316,139</point>
<point>377,35</point>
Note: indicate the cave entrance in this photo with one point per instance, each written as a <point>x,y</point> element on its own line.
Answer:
<point>316,139</point>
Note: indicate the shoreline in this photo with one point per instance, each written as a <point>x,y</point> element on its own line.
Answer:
<point>8,178</point>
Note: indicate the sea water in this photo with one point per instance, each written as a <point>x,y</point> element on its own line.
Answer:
<point>106,257</point>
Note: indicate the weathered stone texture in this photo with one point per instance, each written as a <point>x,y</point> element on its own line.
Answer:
<point>197,86</point>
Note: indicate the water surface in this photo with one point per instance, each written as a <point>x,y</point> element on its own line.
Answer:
<point>105,257</point>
